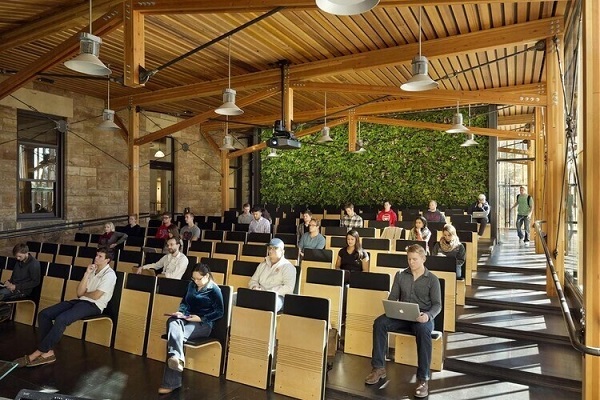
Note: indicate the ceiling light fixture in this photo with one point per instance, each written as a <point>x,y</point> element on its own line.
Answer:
<point>108,115</point>
<point>324,138</point>
<point>420,80</point>
<point>360,146</point>
<point>346,7</point>
<point>87,62</point>
<point>272,153</point>
<point>227,139</point>
<point>470,141</point>
<point>228,107</point>
<point>159,153</point>
<point>457,123</point>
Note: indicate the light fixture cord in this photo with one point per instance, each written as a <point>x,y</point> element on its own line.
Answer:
<point>325,108</point>
<point>420,8</point>
<point>108,91</point>
<point>229,62</point>
<point>90,17</point>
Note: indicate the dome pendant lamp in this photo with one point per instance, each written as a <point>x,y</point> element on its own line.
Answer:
<point>228,107</point>
<point>420,80</point>
<point>457,123</point>
<point>324,138</point>
<point>108,115</point>
<point>346,7</point>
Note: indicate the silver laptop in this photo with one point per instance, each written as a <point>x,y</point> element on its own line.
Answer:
<point>401,310</point>
<point>479,214</point>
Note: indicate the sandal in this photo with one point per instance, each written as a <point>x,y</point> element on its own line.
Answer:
<point>42,360</point>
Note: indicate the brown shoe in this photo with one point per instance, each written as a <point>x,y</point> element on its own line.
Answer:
<point>163,390</point>
<point>375,375</point>
<point>422,389</point>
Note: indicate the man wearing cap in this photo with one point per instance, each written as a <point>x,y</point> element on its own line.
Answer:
<point>275,274</point>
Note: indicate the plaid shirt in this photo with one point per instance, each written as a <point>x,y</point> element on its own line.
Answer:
<point>354,221</point>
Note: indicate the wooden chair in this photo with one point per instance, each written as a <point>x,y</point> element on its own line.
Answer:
<point>470,240</point>
<point>335,230</point>
<point>375,246</point>
<point>364,305</point>
<point>47,252</point>
<point>455,286</point>
<point>154,223</point>
<point>289,239</point>
<point>400,245</point>
<point>34,247</point>
<point>227,251</point>
<point>236,237</point>
<point>100,329</point>
<point>302,332</point>
<point>134,312</point>
<point>153,243</point>
<point>259,238</point>
<point>52,291</point>
<point>200,249</point>
<point>285,228</point>
<point>241,227</point>
<point>85,256</point>
<point>253,252</point>
<point>134,243</point>
<point>367,232</point>
<point>252,339</point>
<point>393,233</point>
<point>406,347</point>
<point>241,273</point>
<point>66,254</point>
<point>292,254</point>
<point>218,268</point>
<point>25,309</point>
<point>327,283</point>
<point>94,239</point>
<point>213,236</point>
<point>81,239</point>
<point>3,262</point>
<point>168,296</point>
<point>315,258</point>
<point>224,226</point>
<point>127,260</point>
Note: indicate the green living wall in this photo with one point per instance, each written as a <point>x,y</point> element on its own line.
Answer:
<point>403,165</point>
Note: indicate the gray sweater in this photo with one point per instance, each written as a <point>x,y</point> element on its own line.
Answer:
<point>425,291</point>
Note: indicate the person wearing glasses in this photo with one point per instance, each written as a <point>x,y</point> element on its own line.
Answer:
<point>163,230</point>
<point>481,205</point>
<point>200,308</point>
<point>173,264</point>
<point>311,239</point>
<point>275,274</point>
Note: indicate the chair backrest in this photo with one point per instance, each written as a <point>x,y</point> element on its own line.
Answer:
<point>241,273</point>
<point>241,227</point>
<point>402,244</point>
<point>259,238</point>
<point>154,243</point>
<point>465,226</point>
<point>218,267</point>
<point>318,256</point>
<point>336,230</point>
<point>366,232</point>
<point>128,259</point>
<point>85,256</point>
<point>134,243</point>
<point>236,236</point>
<point>221,327</point>
<point>53,286</point>
<point>81,238</point>
<point>337,241</point>
<point>256,299</point>
<point>328,283</point>
<point>459,219</point>
<point>213,236</point>
<point>289,239</point>
<point>200,248</point>
<point>253,252</point>
<point>285,227</point>
<point>3,262</point>
<point>292,254</point>
<point>227,248</point>
<point>192,261</point>
<point>154,223</point>
<point>151,258</point>
<point>47,252</point>
<point>230,216</point>
<point>224,226</point>
<point>94,238</point>
<point>376,244</point>
<point>34,247</point>
<point>66,254</point>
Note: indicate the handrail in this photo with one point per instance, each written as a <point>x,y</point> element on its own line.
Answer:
<point>564,307</point>
<point>63,226</point>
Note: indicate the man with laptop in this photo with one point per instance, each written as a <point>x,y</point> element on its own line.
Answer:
<point>419,286</point>
<point>480,210</point>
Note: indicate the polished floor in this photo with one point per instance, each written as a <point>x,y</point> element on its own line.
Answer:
<point>95,372</point>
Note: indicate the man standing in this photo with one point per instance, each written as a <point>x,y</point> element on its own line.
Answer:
<point>173,264</point>
<point>163,230</point>
<point>258,223</point>
<point>351,219</point>
<point>245,217</point>
<point>94,292</point>
<point>25,277</point>
<point>275,274</point>
<point>415,284</point>
<point>190,230</point>
<point>524,204</point>
<point>387,214</point>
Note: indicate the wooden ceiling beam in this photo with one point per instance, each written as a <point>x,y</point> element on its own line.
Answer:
<point>452,45</point>
<point>200,118</point>
<point>135,50</point>
<point>491,96</point>
<point>103,25</point>
<point>77,15</point>
<point>519,119</point>
<point>504,135</point>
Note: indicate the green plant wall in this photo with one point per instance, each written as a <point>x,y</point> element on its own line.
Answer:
<point>403,165</point>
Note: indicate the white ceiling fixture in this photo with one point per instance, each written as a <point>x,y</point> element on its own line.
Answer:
<point>470,141</point>
<point>457,123</point>
<point>324,138</point>
<point>227,139</point>
<point>228,107</point>
<point>346,7</point>
<point>108,115</point>
<point>273,153</point>
<point>360,145</point>
<point>87,62</point>
<point>420,80</point>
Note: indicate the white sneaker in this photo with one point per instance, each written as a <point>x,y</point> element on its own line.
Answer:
<point>527,243</point>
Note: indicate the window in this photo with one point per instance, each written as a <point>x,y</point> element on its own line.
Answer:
<point>39,163</point>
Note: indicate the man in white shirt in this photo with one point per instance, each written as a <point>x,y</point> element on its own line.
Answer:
<point>258,223</point>
<point>173,264</point>
<point>275,274</point>
<point>94,292</point>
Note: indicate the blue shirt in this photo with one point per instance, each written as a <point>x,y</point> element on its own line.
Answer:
<point>207,303</point>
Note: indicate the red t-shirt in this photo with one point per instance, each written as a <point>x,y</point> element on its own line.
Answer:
<point>387,216</point>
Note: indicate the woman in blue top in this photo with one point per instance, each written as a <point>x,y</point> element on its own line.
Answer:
<point>201,306</point>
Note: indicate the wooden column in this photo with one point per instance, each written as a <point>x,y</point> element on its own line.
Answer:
<point>555,137</point>
<point>224,181</point>
<point>591,193</point>
<point>134,163</point>
<point>536,185</point>
<point>288,99</point>
<point>134,46</point>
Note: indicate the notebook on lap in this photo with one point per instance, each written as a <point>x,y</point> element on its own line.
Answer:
<point>479,214</point>
<point>401,310</point>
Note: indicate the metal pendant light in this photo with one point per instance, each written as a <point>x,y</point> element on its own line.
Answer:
<point>87,62</point>
<point>272,153</point>
<point>471,139</point>
<point>360,146</point>
<point>227,139</point>
<point>346,7</point>
<point>228,107</point>
<point>324,138</point>
<point>457,123</point>
<point>108,115</point>
<point>420,80</point>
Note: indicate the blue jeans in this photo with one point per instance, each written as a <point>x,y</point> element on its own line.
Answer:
<point>523,220</point>
<point>422,332</point>
<point>63,314</point>
<point>482,224</point>
<point>180,330</point>
<point>7,295</point>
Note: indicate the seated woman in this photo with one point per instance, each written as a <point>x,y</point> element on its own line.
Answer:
<point>201,306</point>
<point>132,228</point>
<point>110,238</point>
<point>433,214</point>
<point>420,231</point>
<point>449,245</point>
<point>311,239</point>
<point>352,258</point>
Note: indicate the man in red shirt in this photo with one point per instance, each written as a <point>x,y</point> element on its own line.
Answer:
<point>387,214</point>
<point>163,230</point>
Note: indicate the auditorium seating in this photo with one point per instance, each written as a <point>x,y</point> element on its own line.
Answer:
<point>218,268</point>
<point>25,309</point>
<point>66,254</point>
<point>327,283</point>
<point>241,272</point>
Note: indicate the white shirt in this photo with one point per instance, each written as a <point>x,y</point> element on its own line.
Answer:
<point>104,281</point>
<point>173,266</point>
<point>279,277</point>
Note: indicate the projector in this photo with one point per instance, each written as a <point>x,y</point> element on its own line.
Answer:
<point>283,143</point>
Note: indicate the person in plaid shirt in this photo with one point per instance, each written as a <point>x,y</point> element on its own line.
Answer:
<point>351,219</point>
